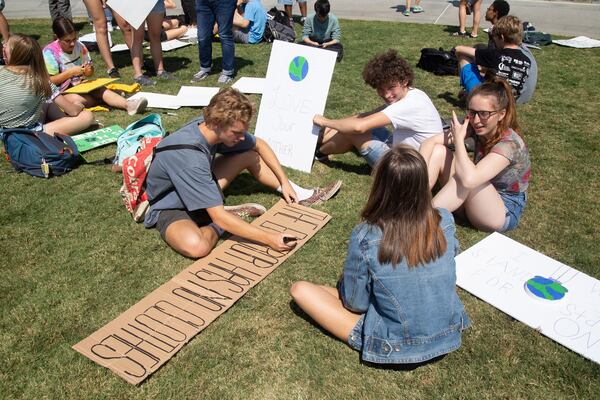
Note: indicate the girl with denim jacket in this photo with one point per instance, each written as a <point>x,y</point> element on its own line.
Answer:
<point>491,189</point>
<point>396,301</point>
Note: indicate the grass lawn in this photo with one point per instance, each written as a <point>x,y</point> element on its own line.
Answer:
<point>72,259</point>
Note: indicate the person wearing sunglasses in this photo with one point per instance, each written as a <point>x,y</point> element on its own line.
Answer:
<point>490,190</point>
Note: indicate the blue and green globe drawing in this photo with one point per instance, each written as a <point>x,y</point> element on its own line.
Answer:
<point>545,288</point>
<point>298,68</point>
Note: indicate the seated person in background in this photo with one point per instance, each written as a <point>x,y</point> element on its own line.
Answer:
<point>322,29</point>
<point>495,11</point>
<point>184,186</point>
<point>4,29</point>
<point>68,62</point>
<point>506,60</point>
<point>26,89</point>
<point>491,190</point>
<point>175,26</point>
<point>396,302</point>
<point>409,110</point>
<point>249,22</point>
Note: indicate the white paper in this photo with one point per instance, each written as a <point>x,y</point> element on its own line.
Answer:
<point>191,35</point>
<point>172,45</point>
<point>119,47</point>
<point>288,105</point>
<point>134,12</point>
<point>194,96</point>
<point>497,269</point>
<point>158,100</point>
<point>250,85</point>
<point>580,42</point>
<point>91,37</point>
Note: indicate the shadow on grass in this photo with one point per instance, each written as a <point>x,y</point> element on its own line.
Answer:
<point>452,99</point>
<point>362,169</point>
<point>392,367</point>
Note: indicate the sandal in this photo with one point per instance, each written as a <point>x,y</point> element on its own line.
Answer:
<point>459,34</point>
<point>473,36</point>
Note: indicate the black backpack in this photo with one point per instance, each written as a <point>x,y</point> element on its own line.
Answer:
<point>438,61</point>
<point>277,31</point>
<point>279,16</point>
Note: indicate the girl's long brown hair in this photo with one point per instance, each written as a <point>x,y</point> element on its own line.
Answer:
<point>400,205</point>
<point>499,89</point>
<point>26,52</point>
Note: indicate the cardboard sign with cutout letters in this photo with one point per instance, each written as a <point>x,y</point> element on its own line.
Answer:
<point>148,334</point>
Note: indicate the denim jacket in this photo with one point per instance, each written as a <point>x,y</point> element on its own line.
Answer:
<point>410,314</point>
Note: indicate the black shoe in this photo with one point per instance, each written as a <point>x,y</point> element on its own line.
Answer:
<point>114,73</point>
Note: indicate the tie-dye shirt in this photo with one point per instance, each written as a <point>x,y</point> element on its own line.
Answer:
<point>58,61</point>
<point>515,177</point>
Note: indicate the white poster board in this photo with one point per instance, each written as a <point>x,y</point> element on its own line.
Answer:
<point>250,85</point>
<point>296,88</point>
<point>499,270</point>
<point>134,12</point>
<point>194,96</point>
<point>159,100</point>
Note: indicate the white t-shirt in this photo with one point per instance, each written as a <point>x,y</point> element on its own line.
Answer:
<point>414,118</point>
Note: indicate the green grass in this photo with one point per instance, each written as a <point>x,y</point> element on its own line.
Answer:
<point>72,259</point>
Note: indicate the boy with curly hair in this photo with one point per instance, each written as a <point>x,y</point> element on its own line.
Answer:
<point>411,113</point>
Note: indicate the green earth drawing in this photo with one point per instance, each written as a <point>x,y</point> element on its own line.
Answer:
<point>298,68</point>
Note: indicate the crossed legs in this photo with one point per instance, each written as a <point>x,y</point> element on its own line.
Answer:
<point>324,306</point>
<point>193,241</point>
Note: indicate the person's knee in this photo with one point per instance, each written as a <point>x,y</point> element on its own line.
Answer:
<point>299,290</point>
<point>194,246</point>
<point>439,152</point>
<point>86,117</point>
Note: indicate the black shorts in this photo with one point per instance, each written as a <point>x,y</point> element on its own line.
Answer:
<point>167,217</point>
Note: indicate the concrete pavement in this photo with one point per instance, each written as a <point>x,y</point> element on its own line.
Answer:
<point>559,18</point>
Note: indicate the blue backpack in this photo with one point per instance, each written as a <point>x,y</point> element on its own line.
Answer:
<point>130,140</point>
<point>38,153</point>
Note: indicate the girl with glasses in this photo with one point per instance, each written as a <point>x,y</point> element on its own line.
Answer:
<point>490,190</point>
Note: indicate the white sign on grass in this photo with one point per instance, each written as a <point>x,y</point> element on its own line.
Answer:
<point>134,12</point>
<point>296,88</point>
<point>553,298</point>
<point>195,96</point>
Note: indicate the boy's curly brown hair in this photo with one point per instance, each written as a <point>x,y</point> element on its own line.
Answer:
<point>387,68</point>
<point>228,107</point>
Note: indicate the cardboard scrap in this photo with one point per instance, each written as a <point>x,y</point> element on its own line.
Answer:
<point>148,334</point>
<point>195,96</point>
<point>89,86</point>
<point>159,100</point>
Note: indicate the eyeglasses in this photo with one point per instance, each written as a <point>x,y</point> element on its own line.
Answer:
<point>483,114</point>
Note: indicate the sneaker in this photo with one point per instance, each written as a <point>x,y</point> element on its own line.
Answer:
<point>144,81</point>
<point>459,34</point>
<point>417,9</point>
<point>406,13</point>
<point>321,157</point>
<point>224,79</point>
<point>246,210</point>
<point>113,73</point>
<point>199,76</point>
<point>165,75</point>
<point>321,195</point>
<point>137,106</point>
